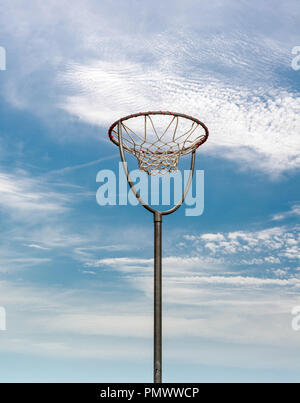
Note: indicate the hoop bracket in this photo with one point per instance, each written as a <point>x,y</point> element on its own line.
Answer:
<point>137,195</point>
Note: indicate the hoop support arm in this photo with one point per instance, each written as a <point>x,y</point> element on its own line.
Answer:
<point>137,195</point>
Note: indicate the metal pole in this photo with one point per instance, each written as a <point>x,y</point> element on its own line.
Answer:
<point>157,298</point>
<point>157,256</point>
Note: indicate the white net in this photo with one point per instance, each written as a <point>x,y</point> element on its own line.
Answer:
<point>158,139</point>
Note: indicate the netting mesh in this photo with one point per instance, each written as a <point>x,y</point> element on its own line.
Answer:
<point>158,139</point>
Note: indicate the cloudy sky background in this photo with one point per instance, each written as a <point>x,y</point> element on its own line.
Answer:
<point>76,278</point>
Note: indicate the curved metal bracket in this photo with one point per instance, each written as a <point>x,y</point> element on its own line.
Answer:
<point>137,195</point>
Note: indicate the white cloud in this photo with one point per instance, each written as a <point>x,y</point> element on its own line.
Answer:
<point>35,246</point>
<point>272,242</point>
<point>233,309</point>
<point>272,259</point>
<point>88,272</point>
<point>123,264</point>
<point>239,281</point>
<point>213,237</point>
<point>52,235</point>
<point>293,212</point>
<point>280,273</point>
<point>231,79</point>
<point>186,270</point>
<point>21,195</point>
<point>254,261</point>
<point>291,253</point>
<point>172,265</point>
<point>245,125</point>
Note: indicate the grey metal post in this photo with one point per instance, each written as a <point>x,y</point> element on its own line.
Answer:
<point>157,298</point>
<point>157,255</point>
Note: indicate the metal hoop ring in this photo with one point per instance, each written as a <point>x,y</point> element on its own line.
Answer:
<point>135,115</point>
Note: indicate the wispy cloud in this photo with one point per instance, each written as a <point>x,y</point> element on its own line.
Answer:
<point>233,80</point>
<point>35,246</point>
<point>21,194</point>
<point>247,124</point>
<point>230,307</point>
<point>293,212</point>
<point>172,265</point>
<point>72,168</point>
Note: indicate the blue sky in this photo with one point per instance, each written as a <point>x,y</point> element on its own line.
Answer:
<point>76,278</point>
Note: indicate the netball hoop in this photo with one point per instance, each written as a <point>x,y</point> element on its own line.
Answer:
<point>158,140</point>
